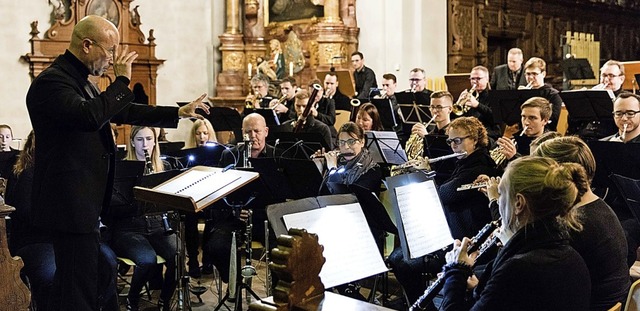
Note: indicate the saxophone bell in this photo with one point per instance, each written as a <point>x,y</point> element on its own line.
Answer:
<point>461,107</point>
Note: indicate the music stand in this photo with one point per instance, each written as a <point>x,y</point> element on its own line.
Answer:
<point>577,69</point>
<point>629,189</point>
<point>269,115</point>
<point>170,146</point>
<point>414,106</point>
<point>298,145</point>
<point>523,144</point>
<point>273,177</point>
<point>384,147</point>
<point>388,117</point>
<point>588,105</point>
<point>616,158</point>
<point>505,104</point>
<point>207,155</point>
<point>127,175</point>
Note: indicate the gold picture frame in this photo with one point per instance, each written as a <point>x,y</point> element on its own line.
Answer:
<point>291,12</point>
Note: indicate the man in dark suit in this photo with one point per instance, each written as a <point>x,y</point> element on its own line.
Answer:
<point>363,76</point>
<point>73,175</point>
<point>510,75</point>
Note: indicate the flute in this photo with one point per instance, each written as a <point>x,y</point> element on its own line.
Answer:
<point>449,156</point>
<point>477,243</point>
<point>473,186</point>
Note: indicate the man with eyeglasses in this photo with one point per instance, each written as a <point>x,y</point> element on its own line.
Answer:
<point>74,180</point>
<point>260,98</point>
<point>535,71</point>
<point>418,82</point>
<point>611,77</point>
<point>478,102</point>
<point>626,110</point>
<point>509,76</point>
<point>441,104</point>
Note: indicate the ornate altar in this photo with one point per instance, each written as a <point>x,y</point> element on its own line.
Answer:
<point>314,38</point>
<point>56,39</point>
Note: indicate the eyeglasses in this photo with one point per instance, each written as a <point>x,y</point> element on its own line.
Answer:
<point>532,74</point>
<point>416,79</point>
<point>438,108</point>
<point>456,140</point>
<point>629,113</point>
<point>348,142</point>
<point>476,78</point>
<point>610,75</point>
<point>109,52</point>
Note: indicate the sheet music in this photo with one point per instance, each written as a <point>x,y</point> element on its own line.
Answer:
<point>198,184</point>
<point>425,225</point>
<point>349,248</point>
<point>389,144</point>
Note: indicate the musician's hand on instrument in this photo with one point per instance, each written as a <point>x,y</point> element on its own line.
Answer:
<point>314,112</point>
<point>473,102</point>
<point>280,109</point>
<point>419,129</point>
<point>244,215</point>
<point>189,110</point>
<point>459,253</point>
<point>482,178</point>
<point>492,188</point>
<point>332,159</point>
<point>508,147</point>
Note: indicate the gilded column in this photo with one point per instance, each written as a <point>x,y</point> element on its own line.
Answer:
<point>331,11</point>
<point>230,80</point>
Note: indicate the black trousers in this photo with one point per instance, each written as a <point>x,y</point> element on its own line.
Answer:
<point>75,284</point>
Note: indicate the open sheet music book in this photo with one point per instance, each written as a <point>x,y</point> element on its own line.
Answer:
<point>196,188</point>
<point>350,251</point>
<point>422,225</point>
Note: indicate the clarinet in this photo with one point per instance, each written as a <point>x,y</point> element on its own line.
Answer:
<point>248,270</point>
<point>247,150</point>
<point>148,170</point>
<point>477,243</point>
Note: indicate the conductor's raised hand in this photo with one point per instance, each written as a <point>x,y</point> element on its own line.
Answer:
<point>122,61</point>
<point>189,110</point>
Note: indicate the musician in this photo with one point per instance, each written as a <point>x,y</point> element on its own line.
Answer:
<point>311,125</point>
<point>139,233</point>
<point>479,106</point>
<point>440,108</point>
<point>332,92</point>
<point>217,240</point>
<point>260,87</point>
<point>325,110</point>
<point>601,243</point>
<point>612,76</point>
<point>284,110</point>
<point>8,155</point>
<point>536,269</point>
<point>509,76</point>
<point>200,134</point>
<point>389,86</point>
<point>418,82</point>
<point>368,118</point>
<point>466,211</point>
<point>535,71</point>
<point>363,76</point>
<point>35,246</point>
<point>625,114</point>
<point>535,114</point>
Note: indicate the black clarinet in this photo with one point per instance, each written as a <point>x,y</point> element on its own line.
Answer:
<point>148,170</point>
<point>479,242</point>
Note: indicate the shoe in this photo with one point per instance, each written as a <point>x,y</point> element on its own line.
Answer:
<point>162,306</point>
<point>131,305</point>
<point>207,269</point>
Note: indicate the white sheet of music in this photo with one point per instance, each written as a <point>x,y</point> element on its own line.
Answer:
<point>425,225</point>
<point>199,184</point>
<point>349,248</point>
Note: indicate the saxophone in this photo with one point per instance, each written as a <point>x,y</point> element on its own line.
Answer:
<point>414,149</point>
<point>497,155</point>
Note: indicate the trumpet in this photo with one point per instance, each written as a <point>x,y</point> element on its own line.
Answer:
<point>279,102</point>
<point>528,87</point>
<point>461,107</point>
<point>252,101</point>
<point>496,153</point>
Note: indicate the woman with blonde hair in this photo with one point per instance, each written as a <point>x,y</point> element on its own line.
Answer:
<point>536,269</point>
<point>200,134</point>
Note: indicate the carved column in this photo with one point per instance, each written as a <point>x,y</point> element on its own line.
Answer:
<point>230,80</point>
<point>254,45</point>
<point>332,11</point>
<point>335,40</point>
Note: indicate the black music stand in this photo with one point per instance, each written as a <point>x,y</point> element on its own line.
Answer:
<point>385,147</point>
<point>614,158</point>
<point>207,155</point>
<point>523,144</point>
<point>577,69</point>
<point>269,115</point>
<point>414,106</point>
<point>303,175</point>
<point>589,112</point>
<point>389,118</point>
<point>629,189</point>
<point>505,104</point>
<point>170,146</point>
<point>297,145</point>
<point>273,177</point>
<point>127,175</point>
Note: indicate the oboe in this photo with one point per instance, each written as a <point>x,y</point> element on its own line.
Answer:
<point>476,244</point>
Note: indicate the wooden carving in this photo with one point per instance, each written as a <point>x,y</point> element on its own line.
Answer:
<point>13,293</point>
<point>297,262</point>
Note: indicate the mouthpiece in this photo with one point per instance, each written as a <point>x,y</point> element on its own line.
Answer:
<point>524,130</point>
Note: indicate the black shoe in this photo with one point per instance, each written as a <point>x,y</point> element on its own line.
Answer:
<point>207,269</point>
<point>131,305</point>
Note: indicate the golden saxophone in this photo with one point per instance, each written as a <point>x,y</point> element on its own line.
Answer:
<point>497,155</point>
<point>461,107</point>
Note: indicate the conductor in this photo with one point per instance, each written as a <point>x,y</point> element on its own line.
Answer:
<point>73,181</point>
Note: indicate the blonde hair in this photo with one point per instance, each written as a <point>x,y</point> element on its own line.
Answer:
<point>548,187</point>
<point>27,155</point>
<point>191,139</point>
<point>158,166</point>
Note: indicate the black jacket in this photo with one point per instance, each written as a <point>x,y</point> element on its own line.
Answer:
<point>536,270</point>
<point>73,176</point>
<point>501,78</point>
<point>364,79</point>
